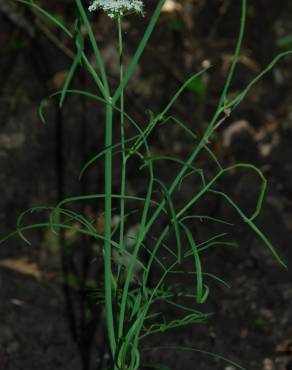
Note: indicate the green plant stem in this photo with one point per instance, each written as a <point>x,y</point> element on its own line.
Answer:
<point>122,128</point>
<point>139,51</point>
<point>108,229</point>
<point>93,44</point>
<point>135,252</point>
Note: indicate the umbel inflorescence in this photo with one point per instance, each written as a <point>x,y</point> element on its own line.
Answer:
<point>117,8</point>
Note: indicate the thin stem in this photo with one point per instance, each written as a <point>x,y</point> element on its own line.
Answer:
<point>139,51</point>
<point>93,44</point>
<point>122,128</point>
<point>230,75</point>
<point>107,230</point>
<point>134,256</point>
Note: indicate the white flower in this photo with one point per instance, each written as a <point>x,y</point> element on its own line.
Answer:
<point>117,8</point>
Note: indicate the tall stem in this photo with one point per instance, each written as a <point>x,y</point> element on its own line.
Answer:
<point>107,228</point>
<point>122,128</point>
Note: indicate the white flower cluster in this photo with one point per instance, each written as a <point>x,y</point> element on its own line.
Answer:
<point>117,8</point>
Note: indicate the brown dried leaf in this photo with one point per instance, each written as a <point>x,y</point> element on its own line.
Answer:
<point>23,266</point>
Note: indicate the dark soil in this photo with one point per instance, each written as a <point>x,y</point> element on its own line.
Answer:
<point>46,324</point>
